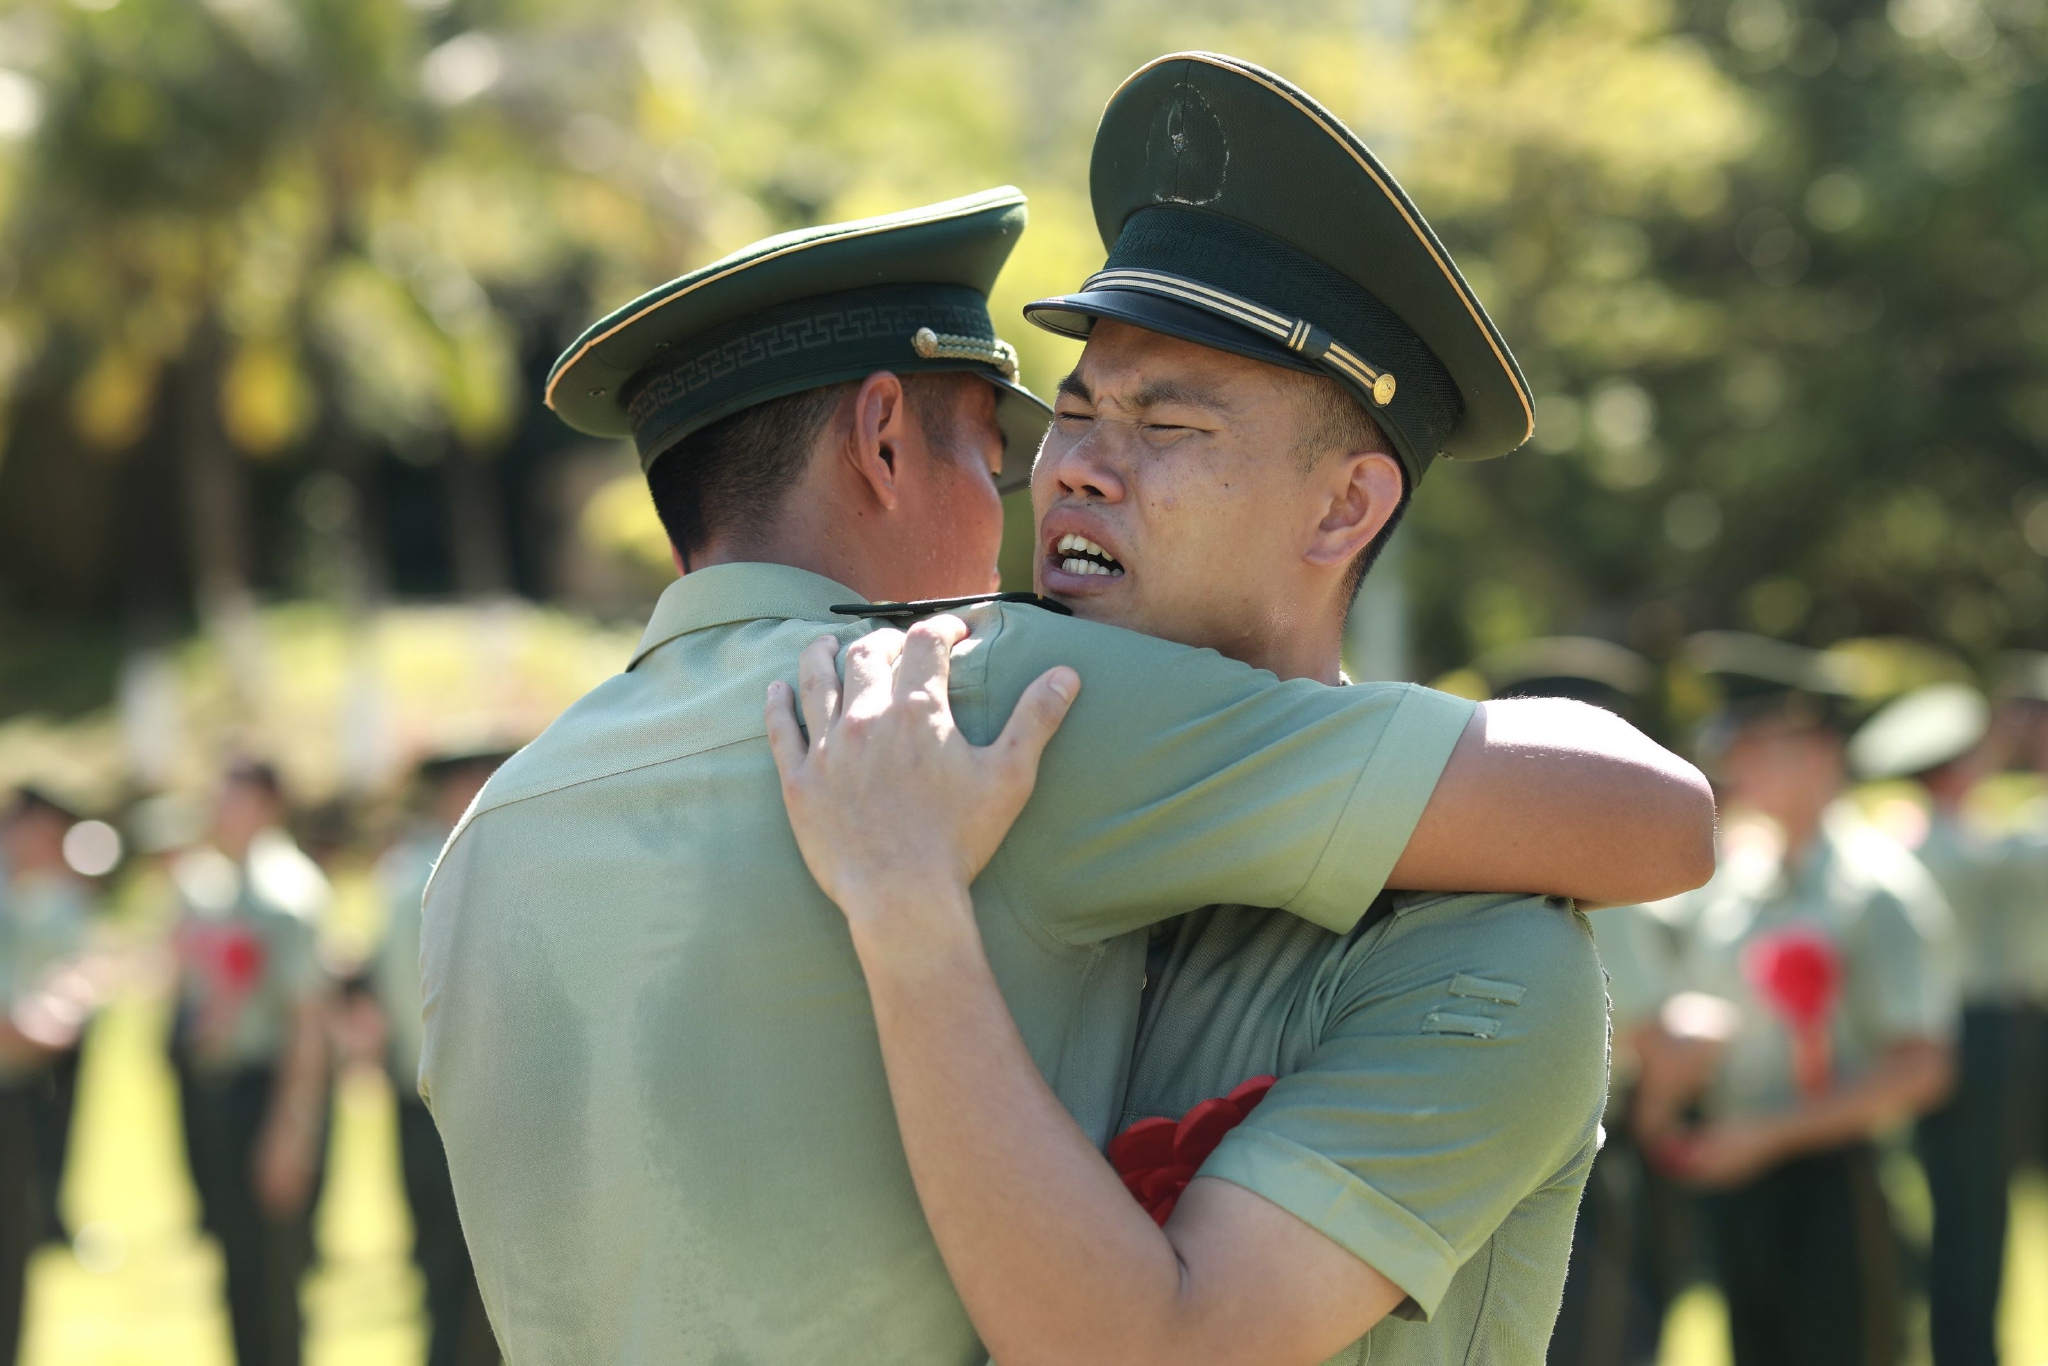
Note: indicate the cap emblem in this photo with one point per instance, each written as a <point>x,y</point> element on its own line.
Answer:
<point>934,345</point>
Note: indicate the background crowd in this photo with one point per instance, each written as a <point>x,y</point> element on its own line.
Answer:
<point>290,550</point>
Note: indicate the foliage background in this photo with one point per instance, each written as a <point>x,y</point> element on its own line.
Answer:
<point>278,280</point>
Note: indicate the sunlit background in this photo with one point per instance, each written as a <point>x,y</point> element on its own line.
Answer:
<point>279,281</point>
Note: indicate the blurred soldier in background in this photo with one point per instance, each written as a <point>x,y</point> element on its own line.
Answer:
<point>1829,941</point>
<point>2023,728</point>
<point>250,1049</point>
<point>460,1333</point>
<point>1936,736</point>
<point>43,913</point>
<point>1628,1249</point>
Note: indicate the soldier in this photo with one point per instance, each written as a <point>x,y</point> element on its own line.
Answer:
<point>459,1333</point>
<point>1936,737</point>
<point>249,1046</point>
<point>44,905</point>
<point>1830,942</point>
<point>647,1045</point>
<point>2023,727</point>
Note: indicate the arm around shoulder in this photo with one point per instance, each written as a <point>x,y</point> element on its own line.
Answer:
<point>1556,797</point>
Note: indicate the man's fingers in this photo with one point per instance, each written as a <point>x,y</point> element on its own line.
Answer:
<point>928,657</point>
<point>817,684</point>
<point>870,670</point>
<point>1038,715</point>
<point>785,741</point>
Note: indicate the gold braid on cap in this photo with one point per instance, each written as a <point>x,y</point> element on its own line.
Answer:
<point>955,346</point>
<point>1298,335</point>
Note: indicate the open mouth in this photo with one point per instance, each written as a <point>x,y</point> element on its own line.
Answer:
<point>1079,555</point>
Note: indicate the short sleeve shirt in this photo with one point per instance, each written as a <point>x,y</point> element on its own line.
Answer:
<point>2024,857</point>
<point>648,1045</point>
<point>1442,1070</point>
<point>402,879</point>
<point>247,944</point>
<point>1995,893</point>
<point>1873,904</point>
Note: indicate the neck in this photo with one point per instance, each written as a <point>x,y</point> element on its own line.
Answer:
<point>1306,644</point>
<point>828,529</point>
<point>1299,653</point>
<point>1801,829</point>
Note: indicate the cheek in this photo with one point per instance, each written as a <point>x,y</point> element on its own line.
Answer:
<point>975,512</point>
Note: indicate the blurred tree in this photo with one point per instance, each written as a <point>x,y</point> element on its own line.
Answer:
<point>1769,263</point>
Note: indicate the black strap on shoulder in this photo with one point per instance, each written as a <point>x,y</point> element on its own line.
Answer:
<point>911,611</point>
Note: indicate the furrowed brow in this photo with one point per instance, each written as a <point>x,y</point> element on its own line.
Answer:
<point>1159,392</point>
<point>1073,386</point>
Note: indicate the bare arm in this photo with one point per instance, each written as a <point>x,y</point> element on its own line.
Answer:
<point>287,1151</point>
<point>1054,1260</point>
<point>1556,797</point>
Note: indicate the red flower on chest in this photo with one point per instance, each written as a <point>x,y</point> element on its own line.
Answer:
<point>1158,1157</point>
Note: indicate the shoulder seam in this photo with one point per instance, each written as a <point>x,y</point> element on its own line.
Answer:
<point>479,810</point>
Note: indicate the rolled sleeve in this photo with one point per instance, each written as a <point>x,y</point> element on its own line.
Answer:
<point>1394,785</point>
<point>1343,1207</point>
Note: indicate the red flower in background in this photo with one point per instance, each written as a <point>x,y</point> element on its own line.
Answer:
<point>1158,1157</point>
<point>1798,972</point>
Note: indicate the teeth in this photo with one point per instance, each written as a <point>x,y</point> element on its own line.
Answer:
<point>1082,544</point>
<point>1080,566</point>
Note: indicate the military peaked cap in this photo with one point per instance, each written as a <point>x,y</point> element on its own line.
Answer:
<point>1921,731</point>
<point>1583,668</point>
<point>906,292</point>
<point>1758,677</point>
<point>1240,214</point>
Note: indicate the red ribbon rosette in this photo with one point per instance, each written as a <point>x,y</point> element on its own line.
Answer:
<point>1798,972</point>
<point>1158,1157</point>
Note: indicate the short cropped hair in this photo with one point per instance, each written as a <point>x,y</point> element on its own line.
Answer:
<point>730,479</point>
<point>1337,422</point>
<point>258,774</point>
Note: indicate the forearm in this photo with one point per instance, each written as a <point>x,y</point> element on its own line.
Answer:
<point>1562,799</point>
<point>299,1097</point>
<point>18,1049</point>
<point>1910,1080</point>
<point>1052,1257</point>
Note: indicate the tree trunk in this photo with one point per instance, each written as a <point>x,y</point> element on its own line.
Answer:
<point>216,514</point>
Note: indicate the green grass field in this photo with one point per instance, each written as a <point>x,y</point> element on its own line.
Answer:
<point>142,1286</point>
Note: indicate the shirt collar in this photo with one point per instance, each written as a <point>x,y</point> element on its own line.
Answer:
<point>721,594</point>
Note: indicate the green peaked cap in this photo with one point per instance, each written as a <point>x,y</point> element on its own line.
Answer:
<point>905,292</point>
<point>1581,667</point>
<point>1920,731</point>
<point>1242,215</point>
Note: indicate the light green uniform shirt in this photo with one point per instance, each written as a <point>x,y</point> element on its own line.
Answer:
<point>649,1047</point>
<point>1442,1069</point>
<point>1886,920</point>
<point>236,1004</point>
<point>43,922</point>
<point>402,877</point>
<point>2025,857</point>
<point>1994,890</point>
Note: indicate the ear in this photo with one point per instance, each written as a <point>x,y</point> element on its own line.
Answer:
<point>876,437</point>
<point>1364,489</point>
